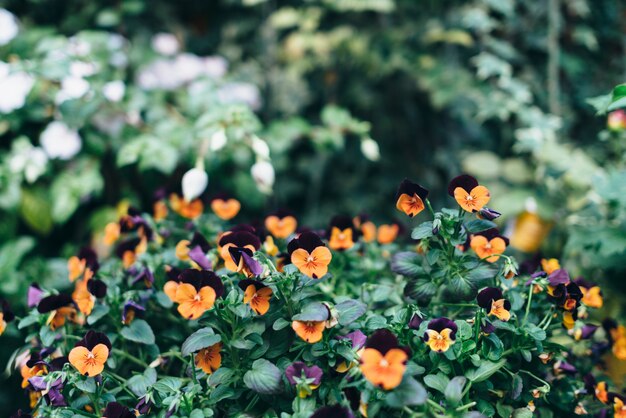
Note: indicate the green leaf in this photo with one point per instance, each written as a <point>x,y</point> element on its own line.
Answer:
<point>464,331</point>
<point>517,385</point>
<point>168,385</point>
<point>138,331</point>
<point>454,390</point>
<point>479,225</point>
<point>409,392</point>
<point>47,336</point>
<point>423,230</point>
<point>87,385</point>
<point>264,377</point>
<point>204,337</point>
<point>98,312</point>
<point>280,323</point>
<point>222,376</point>
<point>140,383</point>
<point>197,413</point>
<point>492,347</point>
<point>35,210</point>
<point>618,98</point>
<point>421,290</point>
<point>461,288</point>
<point>313,312</point>
<point>484,371</point>
<point>535,332</point>
<point>522,413</point>
<point>437,381</point>
<point>350,310</point>
<point>407,263</point>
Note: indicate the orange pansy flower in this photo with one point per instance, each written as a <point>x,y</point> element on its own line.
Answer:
<point>196,292</point>
<point>468,193</point>
<point>388,233</point>
<point>182,250</point>
<point>37,369</point>
<point>209,359</point>
<point>90,354</point>
<point>491,299</point>
<point>488,245</point>
<point>368,230</point>
<point>309,331</point>
<point>440,334</point>
<point>342,233</point>
<point>381,370</point>
<point>189,210</point>
<point>192,303</point>
<point>84,300</point>
<point>383,361</point>
<point>159,210</point>
<point>84,264</point>
<point>410,198</point>
<point>591,293</point>
<point>225,208</point>
<point>309,255</point>
<point>241,239</point>
<point>281,224</point>
<point>256,295</point>
<point>111,233</point>
<point>60,308</point>
<point>550,265</point>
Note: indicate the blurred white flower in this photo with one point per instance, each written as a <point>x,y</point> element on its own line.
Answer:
<point>115,41</point>
<point>194,183</point>
<point>118,59</point>
<point>165,44</point>
<point>215,67</point>
<point>240,92</point>
<point>14,88</point>
<point>8,26</point>
<point>171,73</point>
<point>82,69</point>
<point>71,88</point>
<point>114,90</point>
<point>27,159</point>
<point>370,149</point>
<point>260,148</point>
<point>264,176</point>
<point>218,140</point>
<point>78,47</point>
<point>158,75</point>
<point>188,67</point>
<point>59,141</point>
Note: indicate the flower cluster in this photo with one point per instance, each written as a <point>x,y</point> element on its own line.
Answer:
<point>184,312</point>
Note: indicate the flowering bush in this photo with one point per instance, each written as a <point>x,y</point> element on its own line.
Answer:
<point>193,315</point>
<point>94,118</point>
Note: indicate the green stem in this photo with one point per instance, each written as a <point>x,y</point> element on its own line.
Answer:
<point>436,405</point>
<point>477,326</point>
<point>430,208</point>
<point>464,407</point>
<point>130,357</point>
<point>529,300</point>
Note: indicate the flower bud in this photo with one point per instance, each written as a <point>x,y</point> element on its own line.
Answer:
<point>218,140</point>
<point>488,214</point>
<point>194,183</point>
<point>264,176</point>
<point>370,149</point>
<point>260,148</point>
